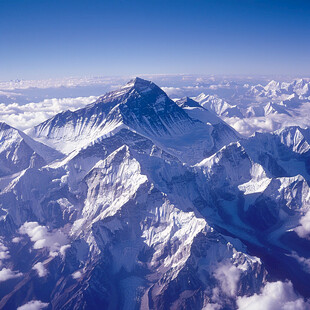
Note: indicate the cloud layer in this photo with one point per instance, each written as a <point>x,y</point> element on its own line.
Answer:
<point>55,241</point>
<point>31,114</point>
<point>24,104</point>
<point>41,270</point>
<point>303,231</point>
<point>228,275</point>
<point>4,252</point>
<point>269,123</point>
<point>33,305</point>
<point>276,295</point>
<point>6,274</point>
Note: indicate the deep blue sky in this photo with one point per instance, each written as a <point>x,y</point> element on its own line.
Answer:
<point>56,38</point>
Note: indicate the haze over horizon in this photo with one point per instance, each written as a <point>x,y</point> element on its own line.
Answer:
<point>51,39</point>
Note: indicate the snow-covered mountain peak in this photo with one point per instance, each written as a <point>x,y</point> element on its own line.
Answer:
<point>272,86</point>
<point>140,105</point>
<point>202,97</point>
<point>7,132</point>
<point>232,153</point>
<point>296,138</point>
<point>4,126</point>
<point>134,88</point>
<point>18,151</point>
<point>218,105</point>
<point>188,102</point>
<point>139,84</point>
<point>273,108</point>
<point>144,108</point>
<point>300,82</point>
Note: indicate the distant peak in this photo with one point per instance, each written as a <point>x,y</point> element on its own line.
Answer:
<point>5,126</point>
<point>188,102</point>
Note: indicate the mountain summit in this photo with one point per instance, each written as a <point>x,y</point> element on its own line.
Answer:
<point>139,106</point>
<point>139,84</point>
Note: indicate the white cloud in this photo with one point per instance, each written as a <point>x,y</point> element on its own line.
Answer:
<point>33,305</point>
<point>251,125</point>
<point>42,238</point>
<point>277,295</point>
<point>212,307</point>
<point>6,274</point>
<point>174,91</point>
<point>303,230</point>
<point>4,252</point>
<point>31,114</point>
<point>68,82</point>
<point>304,262</point>
<point>272,122</point>
<point>41,270</point>
<point>228,275</point>
<point>63,249</point>
<point>16,240</point>
<point>76,275</point>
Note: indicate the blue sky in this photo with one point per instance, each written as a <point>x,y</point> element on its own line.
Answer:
<point>57,38</point>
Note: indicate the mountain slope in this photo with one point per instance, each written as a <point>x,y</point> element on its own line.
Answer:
<point>134,228</point>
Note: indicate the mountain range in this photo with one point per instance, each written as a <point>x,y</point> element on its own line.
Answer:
<point>137,201</point>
